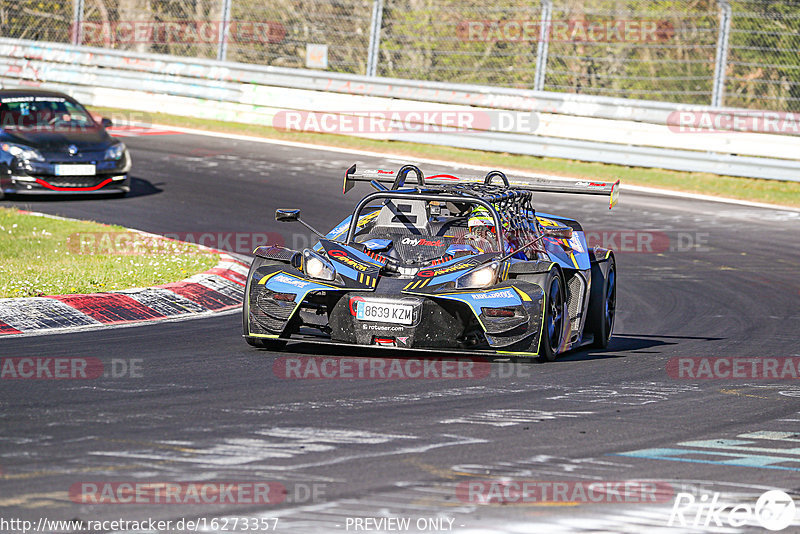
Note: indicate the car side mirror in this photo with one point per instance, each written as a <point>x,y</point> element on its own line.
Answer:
<point>287,215</point>
<point>107,123</point>
<point>558,232</point>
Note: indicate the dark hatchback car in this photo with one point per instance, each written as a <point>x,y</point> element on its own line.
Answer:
<point>50,144</point>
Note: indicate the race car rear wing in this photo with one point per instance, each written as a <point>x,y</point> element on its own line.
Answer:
<point>378,177</point>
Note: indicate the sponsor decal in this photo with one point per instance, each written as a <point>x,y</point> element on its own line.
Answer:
<point>575,243</point>
<point>16,99</point>
<point>427,273</point>
<point>340,229</point>
<point>505,294</point>
<point>291,281</point>
<point>422,242</point>
<point>342,257</point>
<point>382,327</point>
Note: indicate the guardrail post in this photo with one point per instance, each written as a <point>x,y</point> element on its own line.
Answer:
<point>222,50</point>
<point>76,35</point>
<point>541,49</point>
<point>718,92</point>
<point>375,37</point>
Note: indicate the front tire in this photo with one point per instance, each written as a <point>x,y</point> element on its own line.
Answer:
<point>553,320</point>
<point>554,315</point>
<point>603,304</point>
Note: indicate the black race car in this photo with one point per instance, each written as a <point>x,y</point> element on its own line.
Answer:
<point>448,264</point>
<point>51,144</point>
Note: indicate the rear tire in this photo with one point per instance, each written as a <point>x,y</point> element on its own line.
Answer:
<point>603,304</point>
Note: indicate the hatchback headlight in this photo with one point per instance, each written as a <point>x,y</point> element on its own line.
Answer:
<point>483,276</point>
<point>315,266</point>
<point>22,152</point>
<point>115,152</point>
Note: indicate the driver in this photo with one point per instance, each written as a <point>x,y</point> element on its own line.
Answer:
<point>483,231</point>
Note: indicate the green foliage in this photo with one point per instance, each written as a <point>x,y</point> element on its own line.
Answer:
<point>37,20</point>
<point>432,40</point>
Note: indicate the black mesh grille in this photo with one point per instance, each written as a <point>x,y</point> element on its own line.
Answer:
<point>268,313</point>
<point>576,289</point>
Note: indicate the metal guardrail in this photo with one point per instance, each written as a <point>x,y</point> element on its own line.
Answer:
<point>84,70</point>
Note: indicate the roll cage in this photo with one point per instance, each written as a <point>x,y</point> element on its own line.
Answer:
<point>509,207</point>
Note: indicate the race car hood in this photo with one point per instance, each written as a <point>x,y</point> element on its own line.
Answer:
<point>88,139</point>
<point>362,269</point>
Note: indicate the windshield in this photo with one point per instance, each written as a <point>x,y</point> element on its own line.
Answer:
<point>421,231</point>
<point>42,112</point>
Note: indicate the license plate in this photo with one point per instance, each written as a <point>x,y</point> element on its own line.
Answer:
<point>75,170</point>
<point>384,312</point>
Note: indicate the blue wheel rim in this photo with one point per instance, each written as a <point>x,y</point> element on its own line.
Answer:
<point>610,305</point>
<point>554,315</point>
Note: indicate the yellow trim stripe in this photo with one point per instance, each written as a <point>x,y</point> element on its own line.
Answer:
<point>574,261</point>
<point>517,353</point>
<point>524,296</point>
<point>264,280</point>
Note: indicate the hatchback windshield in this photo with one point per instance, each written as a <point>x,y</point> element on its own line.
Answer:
<point>43,112</point>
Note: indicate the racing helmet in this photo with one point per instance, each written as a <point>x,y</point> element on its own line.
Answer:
<point>481,219</point>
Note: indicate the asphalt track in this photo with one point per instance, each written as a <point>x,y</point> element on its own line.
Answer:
<point>718,280</point>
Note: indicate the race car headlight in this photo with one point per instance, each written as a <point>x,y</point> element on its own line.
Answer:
<point>315,266</point>
<point>483,276</point>
<point>25,153</point>
<point>115,152</point>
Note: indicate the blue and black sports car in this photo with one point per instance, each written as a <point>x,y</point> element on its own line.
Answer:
<point>51,144</point>
<point>446,264</point>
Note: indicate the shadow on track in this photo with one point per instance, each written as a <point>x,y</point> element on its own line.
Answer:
<point>620,347</point>
<point>139,188</point>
